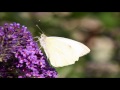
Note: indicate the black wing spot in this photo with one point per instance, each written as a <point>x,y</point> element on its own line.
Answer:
<point>70,46</point>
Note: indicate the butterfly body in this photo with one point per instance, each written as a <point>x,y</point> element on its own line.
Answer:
<point>62,51</point>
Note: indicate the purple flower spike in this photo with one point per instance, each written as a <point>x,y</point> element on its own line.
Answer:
<point>20,56</point>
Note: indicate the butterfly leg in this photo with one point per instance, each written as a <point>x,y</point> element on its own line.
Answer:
<point>38,40</point>
<point>36,37</point>
<point>40,47</point>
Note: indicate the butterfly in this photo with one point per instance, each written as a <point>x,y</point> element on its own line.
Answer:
<point>62,51</point>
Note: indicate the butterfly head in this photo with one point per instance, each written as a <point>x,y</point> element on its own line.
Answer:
<point>42,39</point>
<point>43,36</point>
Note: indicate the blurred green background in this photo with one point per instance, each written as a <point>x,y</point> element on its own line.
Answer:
<point>100,31</point>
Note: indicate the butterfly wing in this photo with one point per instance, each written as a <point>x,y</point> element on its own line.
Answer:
<point>62,51</point>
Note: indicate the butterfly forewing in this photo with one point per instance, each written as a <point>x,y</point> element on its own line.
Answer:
<point>62,51</point>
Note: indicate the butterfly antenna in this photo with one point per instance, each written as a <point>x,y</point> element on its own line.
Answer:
<point>39,28</point>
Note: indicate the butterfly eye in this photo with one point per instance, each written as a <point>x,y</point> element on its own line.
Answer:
<point>43,36</point>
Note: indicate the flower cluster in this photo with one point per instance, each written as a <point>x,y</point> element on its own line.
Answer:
<point>20,56</point>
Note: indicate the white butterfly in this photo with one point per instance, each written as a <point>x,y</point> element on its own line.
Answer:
<point>62,51</point>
